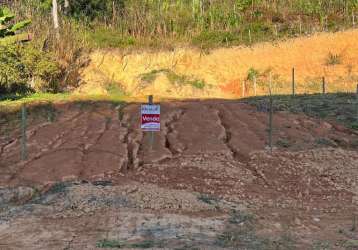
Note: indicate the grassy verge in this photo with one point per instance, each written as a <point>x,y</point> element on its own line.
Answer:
<point>175,79</point>
<point>11,103</point>
<point>340,107</point>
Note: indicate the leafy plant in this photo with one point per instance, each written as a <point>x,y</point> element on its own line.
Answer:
<point>24,69</point>
<point>207,199</point>
<point>144,244</point>
<point>108,38</point>
<point>85,8</point>
<point>152,75</point>
<point>333,59</point>
<point>321,245</point>
<point>105,243</point>
<point>252,74</point>
<point>93,8</point>
<point>199,84</point>
<point>7,28</point>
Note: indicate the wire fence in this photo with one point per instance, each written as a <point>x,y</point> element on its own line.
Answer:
<point>344,107</point>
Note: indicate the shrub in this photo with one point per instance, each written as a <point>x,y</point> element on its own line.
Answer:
<point>26,69</point>
<point>252,74</point>
<point>7,28</point>
<point>216,38</point>
<point>105,38</point>
<point>333,59</point>
<point>13,72</point>
<point>199,84</point>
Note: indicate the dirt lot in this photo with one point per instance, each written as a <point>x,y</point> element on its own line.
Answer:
<point>92,180</point>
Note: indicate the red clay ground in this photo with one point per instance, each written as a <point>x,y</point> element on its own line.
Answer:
<point>208,164</point>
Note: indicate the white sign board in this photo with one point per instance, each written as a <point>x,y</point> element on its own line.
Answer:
<point>150,117</point>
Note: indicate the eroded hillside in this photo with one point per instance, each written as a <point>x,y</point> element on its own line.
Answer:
<point>228,72</point>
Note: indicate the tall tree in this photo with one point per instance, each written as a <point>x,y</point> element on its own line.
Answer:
<point>56,25</point>
<point>66,6</point>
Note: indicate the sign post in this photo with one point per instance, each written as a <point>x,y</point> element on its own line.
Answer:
<point>150,119</point>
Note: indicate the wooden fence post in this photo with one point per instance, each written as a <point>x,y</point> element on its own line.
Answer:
<point>293,81</point>
<point>353,19</point>
<point>255,91</point>
<point>23,133</point>
<point>270,114</point>
<point>357,104</point>
<point>243,89</point>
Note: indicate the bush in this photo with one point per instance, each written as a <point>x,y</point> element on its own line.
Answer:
<point>333,59</point>
<point>94,8</point>
<point>13,73</point>
<point>109,38</point>
<point>25,69</point>
<point>215,38</point>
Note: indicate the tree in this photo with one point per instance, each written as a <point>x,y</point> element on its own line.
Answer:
<point>55,18</point>
<point>94,8</point>
<point>66,6</point>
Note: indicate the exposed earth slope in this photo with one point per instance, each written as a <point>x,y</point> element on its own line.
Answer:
<point>92,180</point>
<point>191,73</point>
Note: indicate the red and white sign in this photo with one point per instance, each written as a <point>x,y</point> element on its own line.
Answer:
<point>150,117</point>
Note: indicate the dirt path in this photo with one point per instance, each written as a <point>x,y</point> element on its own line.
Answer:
<point>91,176</point>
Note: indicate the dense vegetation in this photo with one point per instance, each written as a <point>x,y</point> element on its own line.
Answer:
<point>87,24</point>
<point>200,22</point>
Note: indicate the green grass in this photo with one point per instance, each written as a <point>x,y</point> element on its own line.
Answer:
<point>333,59</point>
<point>109,244</point>
<point>150,77</point>
<point>144,244</point>
<point>339,107</point>
<point>351,244</point>
<point>115,90</point>
<point>174,78</point>
<point>209,39</point>
<point>208,199</point>
<point>108,38</point>
<point>13,102</point>
<point>240,233</point>
<point>59,187</point>
<point>106,243</point>
<point>12,99</point>
<point>283,143</point>
<point>321,245</point>
<point>199,84</point>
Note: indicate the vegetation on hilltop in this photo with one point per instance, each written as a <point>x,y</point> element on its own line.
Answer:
<point>199,22</point>
<point>88,24</point>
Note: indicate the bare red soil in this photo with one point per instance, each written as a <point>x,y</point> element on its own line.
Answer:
<point>217,148</point>
<point>86,142</point>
